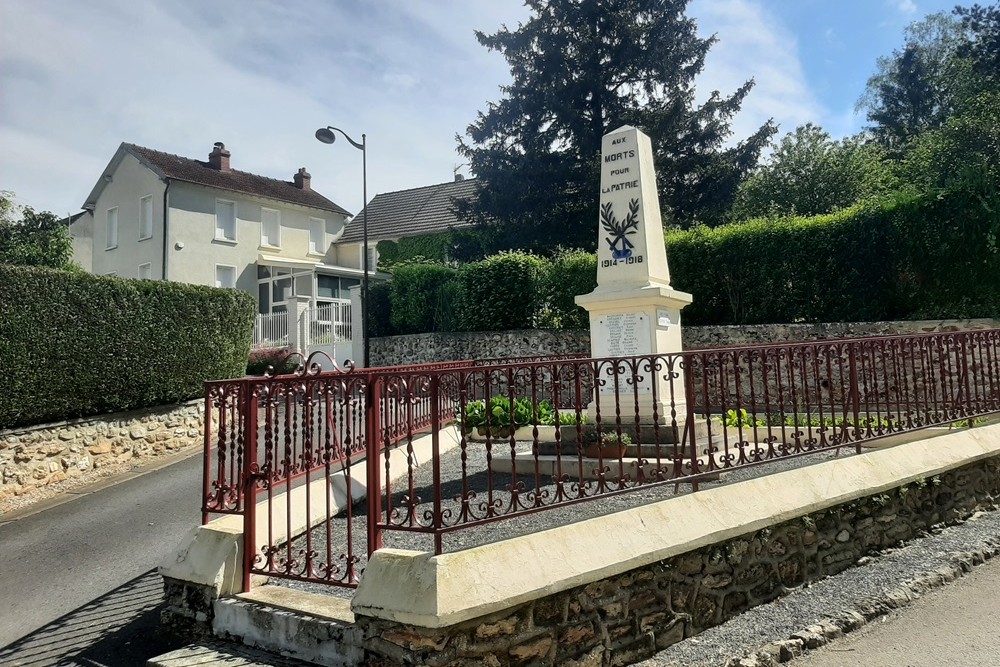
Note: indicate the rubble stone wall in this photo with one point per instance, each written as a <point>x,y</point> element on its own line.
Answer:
<point>426,348</point>
<point>627,618</point>
<point>36,456</point>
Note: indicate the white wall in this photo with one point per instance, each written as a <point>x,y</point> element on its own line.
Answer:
<point>129,183</point>
<point>192,223</point>
<point>82,233</point>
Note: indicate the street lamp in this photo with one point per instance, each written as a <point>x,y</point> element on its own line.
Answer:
<point>327,136</point>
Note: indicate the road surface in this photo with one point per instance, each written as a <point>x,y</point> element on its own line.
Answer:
<point>78,579</point>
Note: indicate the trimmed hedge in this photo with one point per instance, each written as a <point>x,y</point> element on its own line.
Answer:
<point>907,257</point>
<point>505,291</point>
<point>422,298</point>
<point>75,344</point>
<point>572,272</point>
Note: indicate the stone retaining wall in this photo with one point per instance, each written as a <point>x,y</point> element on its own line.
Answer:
<point>35,456</point>
<point>424,348</point>
<point>629,617</point>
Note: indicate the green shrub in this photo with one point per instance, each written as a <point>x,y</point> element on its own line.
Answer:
<point>74,344</point>
<point>276,357</point>
<point>435,247</point>
<point>572,272</point>
<point>379,309</point>
<point>907,256</point>
<point>421,298</point>
<point>504,291</point>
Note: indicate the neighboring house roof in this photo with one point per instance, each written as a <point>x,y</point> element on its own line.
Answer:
<point>425,210</point>
<point>175,167</point>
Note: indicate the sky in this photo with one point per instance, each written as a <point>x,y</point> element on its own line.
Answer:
<point>78,78</point>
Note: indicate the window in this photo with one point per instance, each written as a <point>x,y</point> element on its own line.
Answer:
<point>225,276</point>
<point>111,231</point>
<point>145,271</point>
<point>317,236</point>
<point>146,218</point>
<point>225,220</point>
<point>332,287</point>
<point>372,258</point>
<point>270,228</point>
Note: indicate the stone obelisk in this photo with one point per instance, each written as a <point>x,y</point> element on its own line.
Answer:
<point>633,310</point>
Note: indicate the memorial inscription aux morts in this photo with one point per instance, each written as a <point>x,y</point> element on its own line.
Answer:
<point>620,217</point>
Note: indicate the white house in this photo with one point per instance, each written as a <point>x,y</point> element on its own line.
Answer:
<point>164,217</point>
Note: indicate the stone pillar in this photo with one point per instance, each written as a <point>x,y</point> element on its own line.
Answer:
<point>633,310</point>
<point>357,338</point>
<point>298,324</point>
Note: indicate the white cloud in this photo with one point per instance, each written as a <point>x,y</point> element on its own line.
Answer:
<point>754,44</point>
<point>904,6</point>
<point>79,78</point>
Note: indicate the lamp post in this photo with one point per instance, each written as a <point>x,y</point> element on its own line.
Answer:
<point>327,136</point>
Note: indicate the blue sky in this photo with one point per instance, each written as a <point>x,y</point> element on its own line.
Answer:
<point>77,78</point>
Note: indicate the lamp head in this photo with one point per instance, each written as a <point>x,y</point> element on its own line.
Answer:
<point>326,135</point>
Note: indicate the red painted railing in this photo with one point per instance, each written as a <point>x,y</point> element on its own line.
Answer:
<point>665,420</point>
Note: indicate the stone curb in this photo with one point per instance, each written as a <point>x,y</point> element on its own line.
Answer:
<point>866,609</point>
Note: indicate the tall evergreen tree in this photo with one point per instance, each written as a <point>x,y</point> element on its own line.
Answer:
<point>581,68</point>
<point>917,88</point>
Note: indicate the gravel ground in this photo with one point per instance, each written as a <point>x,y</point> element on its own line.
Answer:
<point>451,469</point>
<point>875,576</point>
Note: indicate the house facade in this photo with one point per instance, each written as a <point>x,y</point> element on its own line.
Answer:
<point>160,216</point>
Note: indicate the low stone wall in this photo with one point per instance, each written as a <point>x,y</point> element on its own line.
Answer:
<point>627,618</point>
<point>39,455</point>
<point>424,348</point>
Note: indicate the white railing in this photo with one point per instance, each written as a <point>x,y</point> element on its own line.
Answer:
<point>328,323</point>
<point>270,330</point>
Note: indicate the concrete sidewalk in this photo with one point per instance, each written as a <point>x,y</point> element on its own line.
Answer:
<point>954,625</point>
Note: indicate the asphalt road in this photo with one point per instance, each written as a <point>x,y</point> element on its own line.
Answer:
<point>954,625</point>
<point>77,580</point>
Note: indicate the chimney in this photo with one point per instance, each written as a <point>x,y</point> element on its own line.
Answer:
<point>459,177</point>
<point>303,179</point>
<point>219,157</point>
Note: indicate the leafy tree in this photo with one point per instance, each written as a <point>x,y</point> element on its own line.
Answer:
<point>982,24</point>
<point>36,239</point>
<point>809,173</point>
<point>581,68</point>
<point>963,154</point>
<point>917,88</point>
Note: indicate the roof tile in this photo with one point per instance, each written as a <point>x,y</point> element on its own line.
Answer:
<point>424,210</point>
<point>196,171</point>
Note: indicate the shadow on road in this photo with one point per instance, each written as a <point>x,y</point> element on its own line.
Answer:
<point>117,629</point>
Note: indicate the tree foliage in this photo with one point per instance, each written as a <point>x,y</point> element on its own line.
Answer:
<point>810,173</point>
<point>917,87</point>
<point>31,238</point>
<point>581,68</point>
<point>982,24</point>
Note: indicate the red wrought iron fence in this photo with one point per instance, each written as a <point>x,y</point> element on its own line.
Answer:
<point>291,453</point>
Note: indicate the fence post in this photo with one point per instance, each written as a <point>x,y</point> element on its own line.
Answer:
<point>855,395</point>
<point>251,471</point>
<point>436,456</point>
<point>373,434</point>
<point>207,462</point>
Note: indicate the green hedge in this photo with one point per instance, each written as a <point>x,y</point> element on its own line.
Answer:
<point>422,298</point>
<point>505,291</point>
<point>909,256</point>
<point>571,273</point>
<point>75,344</point>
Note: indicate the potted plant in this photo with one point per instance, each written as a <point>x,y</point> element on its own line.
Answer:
<point>611,445</point>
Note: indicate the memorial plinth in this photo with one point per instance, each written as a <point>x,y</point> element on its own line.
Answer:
<point>634,310</point>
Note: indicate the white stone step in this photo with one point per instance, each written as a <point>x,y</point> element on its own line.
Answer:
<point>219,654</point>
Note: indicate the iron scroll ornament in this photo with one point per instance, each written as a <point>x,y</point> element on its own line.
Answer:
<point>621,246</point>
